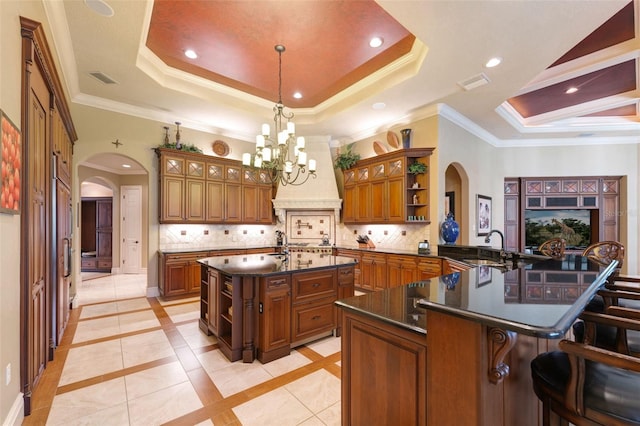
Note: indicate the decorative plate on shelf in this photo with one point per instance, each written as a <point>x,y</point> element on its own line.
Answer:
<point>379,148</point>
<point>220,148</point>
<point>392,139</point>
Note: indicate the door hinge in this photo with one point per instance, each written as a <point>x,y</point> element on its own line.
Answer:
<point>260,307</point>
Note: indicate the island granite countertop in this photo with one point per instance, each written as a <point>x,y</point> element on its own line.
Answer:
<point>540,299</point>
<point>269,264</point>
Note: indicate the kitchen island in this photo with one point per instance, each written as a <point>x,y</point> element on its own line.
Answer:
<point>262,305</point>
<point>455,350</point>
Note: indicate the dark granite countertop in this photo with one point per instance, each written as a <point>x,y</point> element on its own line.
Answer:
<point>539,299</point>
<point>266,264</point>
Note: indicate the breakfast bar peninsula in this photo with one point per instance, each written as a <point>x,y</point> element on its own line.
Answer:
<point>456,350</point>
<point>262,305</point>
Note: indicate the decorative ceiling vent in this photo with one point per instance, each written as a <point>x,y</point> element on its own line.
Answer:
<point>473,82</point>
<point>103,77</point>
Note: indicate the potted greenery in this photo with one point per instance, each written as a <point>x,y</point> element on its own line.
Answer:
<point>417,168</point>
<point>347,159</point>
<point>184,147</point>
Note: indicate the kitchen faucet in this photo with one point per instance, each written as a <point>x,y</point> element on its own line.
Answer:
<point>487,239</point>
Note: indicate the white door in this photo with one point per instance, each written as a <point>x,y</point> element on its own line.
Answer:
<point>131,228</point>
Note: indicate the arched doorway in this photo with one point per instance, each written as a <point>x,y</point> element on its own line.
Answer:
<point>112,174</point>
<point>456,184</point>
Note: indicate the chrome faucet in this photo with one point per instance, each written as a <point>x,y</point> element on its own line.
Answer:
<point>487,239</point>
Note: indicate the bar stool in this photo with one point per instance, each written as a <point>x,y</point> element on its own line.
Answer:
<point>553,247</point>
<point>587,385</point>
<point>604,252</point>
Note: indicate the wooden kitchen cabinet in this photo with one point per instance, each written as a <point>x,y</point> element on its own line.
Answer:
<point>197,188</point>
<point>274,318</point>
<point>429,268</point>
<point>97,234</point>
<point>373,271</point>
<point>209,301</point>
<point>179,273</point>
<point>312,309</point>
<point>381,190</point>
<point>401,270</point>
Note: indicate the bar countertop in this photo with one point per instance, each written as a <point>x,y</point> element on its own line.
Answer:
<point>539,299</point>
<point>269,264</point>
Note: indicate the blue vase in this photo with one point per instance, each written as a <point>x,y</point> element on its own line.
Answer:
<point>450,280</point>
<point>450,230</point>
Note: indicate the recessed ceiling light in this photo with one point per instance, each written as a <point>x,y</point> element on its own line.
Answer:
<point>376,42</point>
<point>379,105</point>
<point>100,7</point>
<point>190,54</point>
<point>126,166</point>
<point>493,62</point>
<point>571,90</point>
<point>297,95</point>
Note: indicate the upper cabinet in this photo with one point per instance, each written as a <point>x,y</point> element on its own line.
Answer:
<point>197,188</point>
<point>383,190</point>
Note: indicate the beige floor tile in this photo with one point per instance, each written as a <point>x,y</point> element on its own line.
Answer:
<point>194,337</point>
<point>213,360</point>
<point>238,377</point>
<point>327,346</point>
<point>89,401</point>
<point>331,416</point>
<point>138,321</point>
<point>277,407</point>
<point>317,391</point>
<point>312,421</point>
<point>90,361</point>
<point>288,363</point>
<point>163,405</point>
<point>185,312</point>
<point>145,347</point>
<point>93,329</point>
<point>99,310</point>
<point>133,304</point>
<point>154,379</point>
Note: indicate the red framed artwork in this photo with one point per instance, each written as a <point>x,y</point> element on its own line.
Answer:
<point>10,166</point>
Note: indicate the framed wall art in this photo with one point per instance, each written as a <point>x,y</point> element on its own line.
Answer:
<point>10,167</point>
<point>483,275</point>
<point>483,214</point>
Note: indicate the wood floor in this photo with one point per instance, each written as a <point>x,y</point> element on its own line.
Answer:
<point>126,359</point>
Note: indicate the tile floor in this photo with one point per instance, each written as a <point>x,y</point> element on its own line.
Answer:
<point>126,359</point>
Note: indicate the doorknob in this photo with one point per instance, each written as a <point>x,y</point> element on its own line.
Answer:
<point>136,241</point>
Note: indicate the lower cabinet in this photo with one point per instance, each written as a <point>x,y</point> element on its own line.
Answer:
<point>401,270</point>
<point>274,318</point>
<point>373,271</point>
<point>179,273</point>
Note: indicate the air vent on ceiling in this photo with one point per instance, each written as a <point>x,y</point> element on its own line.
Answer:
<point>473,82</point>
<point>103,77</point>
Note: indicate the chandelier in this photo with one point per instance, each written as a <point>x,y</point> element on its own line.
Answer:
<point>283,156</point>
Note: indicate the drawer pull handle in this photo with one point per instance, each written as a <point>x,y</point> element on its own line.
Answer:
<point>316,317</point>
<point>315,285</point>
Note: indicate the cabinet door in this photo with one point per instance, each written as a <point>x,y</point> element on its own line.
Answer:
<point>350,204</point>
<point>249,203</point>
<point>395,201</point>
<point>401,270</point>
<point>233,203</point>
<point>265,205</point>
<point>172,166</point>
<point>379,204</point>
<point>193,282</point>
<point>194,202</point>
<point>176,277</point>
<point>214,298</point>
<point>214,209</point>
<point>429,268</point>
<point>275,313</point>
<point>363,214</point>
<point>103,244</point>
<point>172,200</point>
<point>104,214</point>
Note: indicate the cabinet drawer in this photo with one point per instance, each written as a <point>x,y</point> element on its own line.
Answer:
<point>104,264</point>
<point>277,282</point>
<point>346,275</point>
<point>312,285</point>
<point>311,319</point>
<point>88,263</point>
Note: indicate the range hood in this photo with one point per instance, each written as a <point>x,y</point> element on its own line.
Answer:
<point>319,194</point>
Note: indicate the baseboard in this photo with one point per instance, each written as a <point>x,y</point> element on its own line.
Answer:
<point>16,413</point>
<point>153,292</point>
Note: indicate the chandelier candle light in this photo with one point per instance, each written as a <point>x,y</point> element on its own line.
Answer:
<point>286,153</point>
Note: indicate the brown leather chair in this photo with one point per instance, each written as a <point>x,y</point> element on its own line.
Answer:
<point>587,385</point>
<point>553,247</point>
<point>604,252</point>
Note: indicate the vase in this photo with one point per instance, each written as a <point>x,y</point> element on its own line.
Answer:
<point>406,138</point>
<point>450,280</point>
<point>450,230</point>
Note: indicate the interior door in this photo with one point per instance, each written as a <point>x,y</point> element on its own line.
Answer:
<point>131,228</point>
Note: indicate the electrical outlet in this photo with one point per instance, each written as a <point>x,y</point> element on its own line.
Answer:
<point>7,374</point>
